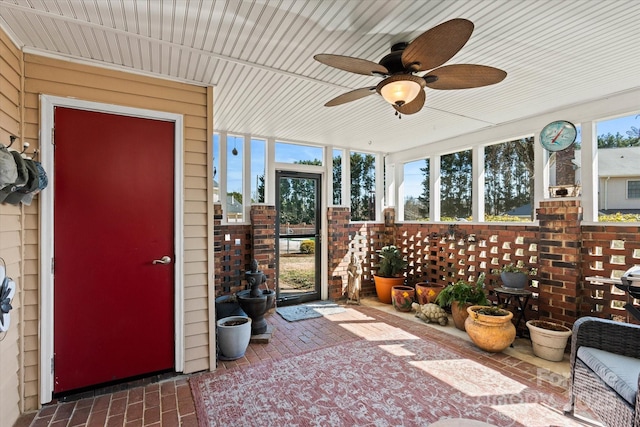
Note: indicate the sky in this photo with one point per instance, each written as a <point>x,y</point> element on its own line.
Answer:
<point>288,153</point>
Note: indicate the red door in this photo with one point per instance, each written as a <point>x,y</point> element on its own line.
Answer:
<point>113,216</point>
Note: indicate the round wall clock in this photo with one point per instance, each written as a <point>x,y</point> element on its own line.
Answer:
<point>558,135</point>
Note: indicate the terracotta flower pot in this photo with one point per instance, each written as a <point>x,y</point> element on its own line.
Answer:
<point>384,285</point>
<point>402,297</point>
<point>459,314</point>
<point>549,339</point>
<point>490,332</point>
<point>426,292</point>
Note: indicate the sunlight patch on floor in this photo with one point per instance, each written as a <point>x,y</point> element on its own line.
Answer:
<point>470,377</point>
<point>349,315</point>
<point>378,331</point>
<point>535,415</point>
<point>397,350</point>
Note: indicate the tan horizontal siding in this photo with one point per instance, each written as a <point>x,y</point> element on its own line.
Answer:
<point>11,238</point>
<point>67,79</point>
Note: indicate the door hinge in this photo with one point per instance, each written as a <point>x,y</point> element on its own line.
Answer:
<point>53,364</point>
<point>53,266</point>
<point>53,135</point>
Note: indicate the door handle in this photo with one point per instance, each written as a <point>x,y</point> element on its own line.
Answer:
<point>164,260</point>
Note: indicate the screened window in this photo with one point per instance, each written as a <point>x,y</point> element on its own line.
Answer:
<point>235,152</point>
<point>508,189</point>
<point>258,158</point>
<point>337,177</point>
<point>363,187</point>
<point>618,179</point>
<point>298,153</point>
<point>416,190</point>
<point>455,186</point>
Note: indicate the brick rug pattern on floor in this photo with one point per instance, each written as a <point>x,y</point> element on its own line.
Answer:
<point>395,379</point>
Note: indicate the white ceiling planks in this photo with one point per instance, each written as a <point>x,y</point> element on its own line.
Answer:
<point>259,56</point>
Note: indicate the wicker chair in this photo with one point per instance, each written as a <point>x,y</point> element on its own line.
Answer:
<point>595,387</point>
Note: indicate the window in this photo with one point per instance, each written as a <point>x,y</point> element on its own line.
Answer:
<point>416,190</point>
<point>633,189</point>
<point>618,174</point>
<point>235,151</point>
<point>258,158</point>
<point>298,153</point>
<point>337,177</point>
<point>363,187</point>
<point>455,186</point>
<point>508,188</point>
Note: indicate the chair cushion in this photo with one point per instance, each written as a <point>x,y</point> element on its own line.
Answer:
<point>618,372</point>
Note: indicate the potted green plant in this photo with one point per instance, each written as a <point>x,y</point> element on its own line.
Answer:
<point>389,273</point>
<point>460,295</point>
<point>514,276</point>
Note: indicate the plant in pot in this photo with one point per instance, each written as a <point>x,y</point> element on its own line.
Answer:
<point>514,276</point>
<point>460,295</point>
<point>490,327</point>
<point>389,273</point>
<point>549,339</point>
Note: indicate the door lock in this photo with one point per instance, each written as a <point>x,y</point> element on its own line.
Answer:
<point>164,260</point>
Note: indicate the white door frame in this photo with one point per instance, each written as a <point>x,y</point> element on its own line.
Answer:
<point>47,105</point>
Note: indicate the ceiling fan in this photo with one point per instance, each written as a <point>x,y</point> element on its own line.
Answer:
<point>402,87</point>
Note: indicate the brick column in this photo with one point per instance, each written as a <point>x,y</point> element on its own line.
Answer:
<point>338,250</point>
<point>263,233</point>
<point>560,260</point>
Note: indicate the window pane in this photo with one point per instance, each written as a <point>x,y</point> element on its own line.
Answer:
<point>455,186</point>
<point>618,176</point>
<point>633,189</point>
<point>416,190</point>
<point>509,181</point>
<point>297,153</point>
<point>235,152</point>
<point>337,177</point>
<point>363,187</point>
<point>216,167</point>
<point>258,156</point>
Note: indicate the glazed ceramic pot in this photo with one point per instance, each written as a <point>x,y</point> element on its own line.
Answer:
<point>234,334</point>
<point>549,339</point>
<point>426,292</point>
<point>384,285</point>
<point>513,280</point>
<point>402,297</point>
<point>490,328</point>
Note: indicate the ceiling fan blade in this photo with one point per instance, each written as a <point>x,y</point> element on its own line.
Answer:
<point>353,65</point>
<point>414,106</point>
<point>351,96</point>
<point>436,46</point>
<point>464,76</point>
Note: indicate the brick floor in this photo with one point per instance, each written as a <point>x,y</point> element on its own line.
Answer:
<point>170,403</point>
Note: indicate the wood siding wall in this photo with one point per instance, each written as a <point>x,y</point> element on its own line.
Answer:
<point>19,226</point>
<point>12,223</point>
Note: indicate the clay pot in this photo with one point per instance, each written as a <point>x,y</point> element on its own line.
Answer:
<point>402,297</point>
<point>459,314</point>
<point>384,285</point>
<point>426,292</point>
<point>549,339</point>
<point>491,333</point>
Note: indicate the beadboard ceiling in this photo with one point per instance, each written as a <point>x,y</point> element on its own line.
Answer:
<point>259,56</point>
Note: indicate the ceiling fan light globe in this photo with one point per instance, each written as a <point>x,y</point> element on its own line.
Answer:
<point>400,89</point>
